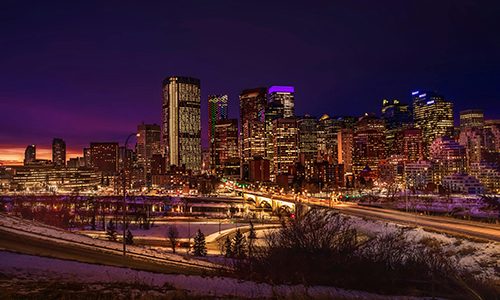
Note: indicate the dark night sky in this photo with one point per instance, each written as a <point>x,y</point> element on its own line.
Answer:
<point>92,70</point>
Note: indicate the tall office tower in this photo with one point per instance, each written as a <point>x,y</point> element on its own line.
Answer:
<point>397,116</point>
<point>433,115</point>
<point>345,148</point>
<point>408,143</point>
<point>148,144</point>
<point>274,110</point>
<point>368,143</point>
<point>58,152</point>
<point>286,145</point>
<point>491,134</point>
<point>227,159</point>
<point>447,158</point>
<point>308,143</point>
<point>87,157</point>
<point>181,125</point>
<point>104,157</point>
<point>471,138</point>
<point>29,154</point>
<point>327,138</point>
<point>471,135</point>
<point>253,131</point>
<point>471,118</point>
<point>284,95</point>
<point>217,110</point>
<point>127,159</point>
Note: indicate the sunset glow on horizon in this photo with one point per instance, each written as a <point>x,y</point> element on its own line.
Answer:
<point>14,155</point>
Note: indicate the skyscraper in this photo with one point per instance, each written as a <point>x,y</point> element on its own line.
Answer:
<point>253,131</point>
<point>148,144</point>
<point>433,115</point>
<point>104,157</point>
<point>327,138</point>
<point>308,143</point>
<point>368,143</point>
<point>227,159</point>
<point>344,145</point>
<point>58,152</point>
<point>29,154</point>
<point>274,110</point>
<point>181,125</point>
<point>397,116</point>
<point>217,110</point>
<point>491,134</point>
<point>447,157</point>
<point>284,95</point>
<point>472,118</point>
<point>286,145</point>
<point>408,143</point>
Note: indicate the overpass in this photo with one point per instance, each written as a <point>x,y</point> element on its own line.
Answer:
<point>449,225</point>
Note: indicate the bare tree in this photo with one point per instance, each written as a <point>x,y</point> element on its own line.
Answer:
<point>173,236</point>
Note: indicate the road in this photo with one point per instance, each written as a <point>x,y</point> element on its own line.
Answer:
<point>42,247</point>
<point>448,225</point>
<point>463,228</point>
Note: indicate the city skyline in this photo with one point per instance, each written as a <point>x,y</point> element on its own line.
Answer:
<point>15,155</point>
<point>72,81</point>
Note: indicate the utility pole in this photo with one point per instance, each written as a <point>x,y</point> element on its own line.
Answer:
<point>124,206</point>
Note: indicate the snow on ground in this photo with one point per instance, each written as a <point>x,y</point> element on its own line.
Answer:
<point>13,265</point>
<point>185,229</point>
<point>40,230</point>
<point>483,258</point>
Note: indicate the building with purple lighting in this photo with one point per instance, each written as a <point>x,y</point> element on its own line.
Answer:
<point>284,95</point>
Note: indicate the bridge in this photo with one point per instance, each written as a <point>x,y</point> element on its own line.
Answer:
<point>443,224</point>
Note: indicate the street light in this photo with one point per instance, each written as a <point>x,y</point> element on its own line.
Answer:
<point>125,192</point>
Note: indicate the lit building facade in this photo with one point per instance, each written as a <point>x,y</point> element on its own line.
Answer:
<point>491,135</point>
<point>397,116</point>
<point>148,144</point>
<point>30,154</point>
<point>104,157</point>
<point>368,144</point>
<point>285,95</point>
<point>253,127</point>
<point>408,142</point>
<point>286,145</point>
<point>58,152</point>
<point>273,111</point>
<point>217,110</point>
<point>49,178</point>
<point>327,138</point>
<point>345,147</point>
<point>227,159</point>
<point>308,143</point>
<point>462,183</point>
<point>417,175</point>
<point>471,138</point>
<point>433,115</point>
<point>447,158</point>
<point>181,123</point>
<point>488,174</point>
<point>471,118</point>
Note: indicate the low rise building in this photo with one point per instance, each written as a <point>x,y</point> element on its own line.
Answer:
<point>463,183</point>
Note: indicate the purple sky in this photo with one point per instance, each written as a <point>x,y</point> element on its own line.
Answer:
<point>92,70</point>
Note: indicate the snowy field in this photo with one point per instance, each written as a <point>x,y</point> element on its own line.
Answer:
<point>19,268</point>
<point>480,257</point>
<point>185,229</point>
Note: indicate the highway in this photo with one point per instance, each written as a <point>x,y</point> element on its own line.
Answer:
<point>452,226</point>
<point>470,229</point>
